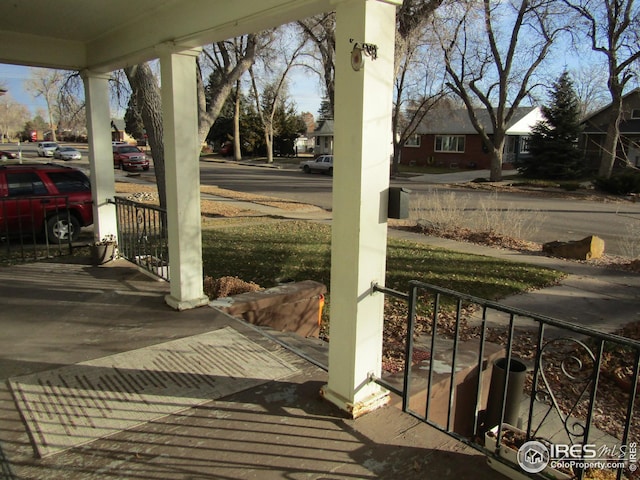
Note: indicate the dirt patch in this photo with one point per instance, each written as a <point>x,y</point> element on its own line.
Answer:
<point>259,199</point>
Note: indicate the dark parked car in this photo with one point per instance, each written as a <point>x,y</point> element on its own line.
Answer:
<point>49,199</point>
<point>129,157</point>
<point>6,155</point>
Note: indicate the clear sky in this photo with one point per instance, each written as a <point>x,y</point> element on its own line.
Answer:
<point>13,78</point>
<point>304,89</point>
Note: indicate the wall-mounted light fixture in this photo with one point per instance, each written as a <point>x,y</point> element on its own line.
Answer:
<point>359,51</point>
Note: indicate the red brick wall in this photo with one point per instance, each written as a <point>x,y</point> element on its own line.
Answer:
<point>425,154</point>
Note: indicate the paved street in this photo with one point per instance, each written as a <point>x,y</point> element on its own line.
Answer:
<point>550,217</point>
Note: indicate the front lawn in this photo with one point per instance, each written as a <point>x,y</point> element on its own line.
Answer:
<point>299,250</point>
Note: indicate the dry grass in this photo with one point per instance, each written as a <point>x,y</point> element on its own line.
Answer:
<point>451,211</point>
<point>148,193</point>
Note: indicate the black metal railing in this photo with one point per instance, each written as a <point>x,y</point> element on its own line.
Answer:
<point>24,235</point>
<point>510,382</point>
<point>143,236</point>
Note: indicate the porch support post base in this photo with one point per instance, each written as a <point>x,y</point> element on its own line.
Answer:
<point>181,305</point>
<point>377,398</point>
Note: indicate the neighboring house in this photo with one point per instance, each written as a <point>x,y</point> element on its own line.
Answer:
<point>323,136</point>
<point>117,131</point>
<point>595,130</point>
<point>447,138</point>
<point>304,144</point>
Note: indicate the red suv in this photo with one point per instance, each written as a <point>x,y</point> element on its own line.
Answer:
<point>44,199</point>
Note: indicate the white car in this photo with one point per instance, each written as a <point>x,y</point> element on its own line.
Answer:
<point>322,164</point>
<point>46,149</point>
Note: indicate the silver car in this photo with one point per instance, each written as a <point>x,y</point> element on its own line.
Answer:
<point>322,164</point>
<point>46,149</point>
<point>67,153</point>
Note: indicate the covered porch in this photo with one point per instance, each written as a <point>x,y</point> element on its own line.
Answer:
<point>98,39</point>
<point>59,315</point>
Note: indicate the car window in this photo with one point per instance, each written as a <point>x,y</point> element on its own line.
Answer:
<point>25,183</point>
<point>72,181</point>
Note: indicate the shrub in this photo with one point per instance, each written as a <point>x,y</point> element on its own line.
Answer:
<point>622,183</point>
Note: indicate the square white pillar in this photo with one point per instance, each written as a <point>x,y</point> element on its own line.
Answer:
<point>362,148</point>
<point>96,87</point>
<point>182,173</point>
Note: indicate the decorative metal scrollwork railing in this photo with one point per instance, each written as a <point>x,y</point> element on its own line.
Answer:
<point>143,236</point>
<point>577,395</point>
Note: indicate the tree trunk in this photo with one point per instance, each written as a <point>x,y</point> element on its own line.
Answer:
<point>237,151</point>
<point>268,140</point>
<point>610,146</point>
<point>496,157</point>
<point>145,87</point>
<point>395,164</point>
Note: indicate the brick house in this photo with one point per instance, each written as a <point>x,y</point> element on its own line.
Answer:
<point>447,138</point>
<point>595,130</point>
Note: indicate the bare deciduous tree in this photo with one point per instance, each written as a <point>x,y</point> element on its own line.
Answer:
<point>271,95</point>
<point>320,31</point>
<point>418,87</point>
<point>492,56</point>
<point>613,28</point>
<point>47,83</point>
<point>232,58</point>
<point>13,116</point>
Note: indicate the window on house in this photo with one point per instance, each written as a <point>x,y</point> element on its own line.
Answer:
<point>524,144</point>
<point>635,113</point>
<point>449,143</point>
<point>413,141</point>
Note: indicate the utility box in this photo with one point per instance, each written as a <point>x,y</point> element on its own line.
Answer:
<point>398,203</point>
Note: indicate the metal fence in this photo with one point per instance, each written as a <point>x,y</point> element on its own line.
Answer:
<point>143,236</point>
<point>24,235</point>
<point>535,394</point>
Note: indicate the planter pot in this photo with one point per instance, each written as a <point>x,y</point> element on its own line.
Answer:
<point>510,453</point>
<point>101,254</point>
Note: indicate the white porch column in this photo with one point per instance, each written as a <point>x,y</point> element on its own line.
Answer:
<point>362,149</point>
<point>96,87</point>
<point>182,170</point>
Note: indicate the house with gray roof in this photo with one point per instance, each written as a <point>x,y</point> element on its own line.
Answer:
<point>595,131</point>
<point>447,138</point>
<point>323,136</point>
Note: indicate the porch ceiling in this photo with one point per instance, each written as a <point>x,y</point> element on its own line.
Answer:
<point>104,36</point>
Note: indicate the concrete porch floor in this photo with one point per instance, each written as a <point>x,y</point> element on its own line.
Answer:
<point>57,314</point>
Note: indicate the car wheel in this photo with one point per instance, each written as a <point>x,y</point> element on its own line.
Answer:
<point>330,171</point>
<point>306,169</point>
<point>145,168</point>
<point>121,165</point>
<point>61,228</point>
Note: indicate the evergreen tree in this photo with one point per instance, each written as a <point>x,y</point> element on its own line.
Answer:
<point>554,141</point>
<point>326,111</point>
